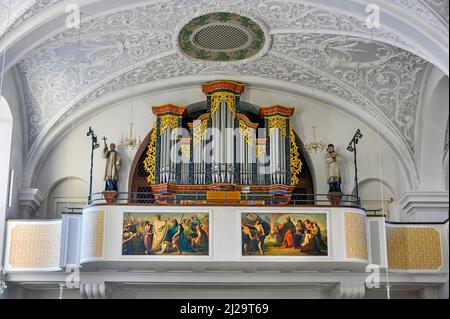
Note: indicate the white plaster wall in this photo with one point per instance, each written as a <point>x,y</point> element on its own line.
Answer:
<point>71,155</point>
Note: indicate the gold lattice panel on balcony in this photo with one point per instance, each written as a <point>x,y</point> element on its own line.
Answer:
<point>93,235</point>
<point>35,246</point>
<point>356,236</point>
<point>413,248</point>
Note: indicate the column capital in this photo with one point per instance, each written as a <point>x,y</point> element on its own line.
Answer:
<point>30,200</point>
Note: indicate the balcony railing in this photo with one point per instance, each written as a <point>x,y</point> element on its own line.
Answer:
<point>247,199</point>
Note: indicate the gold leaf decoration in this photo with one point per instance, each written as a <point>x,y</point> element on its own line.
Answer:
<point>296,163</point>
<point>413,248</point>
<point>200,131</point>
<point>277,122</point>
<point>93,235</point>
<point>186,150</point>
<point>150,160</point>
<point>247,133</point>
<point>356,236</point>
<point>260,150</point>
<point>219,97</point>
<point>168,121</point>
<point>35,246</point>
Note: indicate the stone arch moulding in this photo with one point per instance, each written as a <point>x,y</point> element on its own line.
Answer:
<point>42,147</point>
<point>63,179</point>
<point>55,185</point>
<point>422,34</point>
<point>432,123</point>
<point>386,203</point>
<point>366,181</point>
<point>6,128</point>
<point>134,178</point>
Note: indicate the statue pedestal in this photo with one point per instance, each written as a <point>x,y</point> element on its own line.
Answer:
<point>335,198</point>
<point>110,197</point>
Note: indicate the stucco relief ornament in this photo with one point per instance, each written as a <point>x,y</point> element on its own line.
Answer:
<point>258,33</point>
<point>157,42</point>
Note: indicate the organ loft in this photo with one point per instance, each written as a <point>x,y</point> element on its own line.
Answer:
<point>223,153</point>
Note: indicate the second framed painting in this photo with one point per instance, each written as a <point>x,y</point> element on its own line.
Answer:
<point>166,234</point>
<point>284,234</point>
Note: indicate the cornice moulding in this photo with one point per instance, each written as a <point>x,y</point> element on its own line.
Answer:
<point>30,200</point>
<point>423,201</point>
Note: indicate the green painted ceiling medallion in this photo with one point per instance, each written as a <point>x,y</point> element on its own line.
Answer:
<point>221,37</point>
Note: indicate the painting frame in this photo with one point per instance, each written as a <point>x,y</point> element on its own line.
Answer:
<point>284,258</point>
<point>169,257</point>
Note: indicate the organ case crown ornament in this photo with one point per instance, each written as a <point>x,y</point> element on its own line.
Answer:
<point>239,155</point>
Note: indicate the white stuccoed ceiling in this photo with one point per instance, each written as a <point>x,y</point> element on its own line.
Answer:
<point>313,47</point>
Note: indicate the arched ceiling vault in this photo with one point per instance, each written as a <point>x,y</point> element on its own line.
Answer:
<point>314,44</point>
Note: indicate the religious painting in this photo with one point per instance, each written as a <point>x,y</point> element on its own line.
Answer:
<point>146,234</point>
<point>284,234</point>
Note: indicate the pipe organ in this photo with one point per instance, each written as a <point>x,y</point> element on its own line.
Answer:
<point>222,156</point>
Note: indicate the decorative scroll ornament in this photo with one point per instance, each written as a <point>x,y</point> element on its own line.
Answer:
<point>277,122</point>
<point>150,161</point>
<point>296,163</point>
<point>200,131</point>
<point>186,150</point>
<point>168,121</point>
<point>227,97</point>
<point>247,133</point>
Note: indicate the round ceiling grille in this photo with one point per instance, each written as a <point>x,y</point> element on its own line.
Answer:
<point>221,36</point>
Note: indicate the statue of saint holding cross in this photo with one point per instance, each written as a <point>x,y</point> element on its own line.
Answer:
<point>113,163</point>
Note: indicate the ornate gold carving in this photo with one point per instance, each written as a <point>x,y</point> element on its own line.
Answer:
<point>168,121</point>
<point>356,236</point>
<point>93,234</point>
<point>186,150</point>
<point>260,150</point>
<point>35,246</point>
<point>150,160</point>
<point>277,122</point>
<point>200,131</point>
<point>296,163</point>
<point>247,132</point>
<point>413,248</point>
<point>219,97</point>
